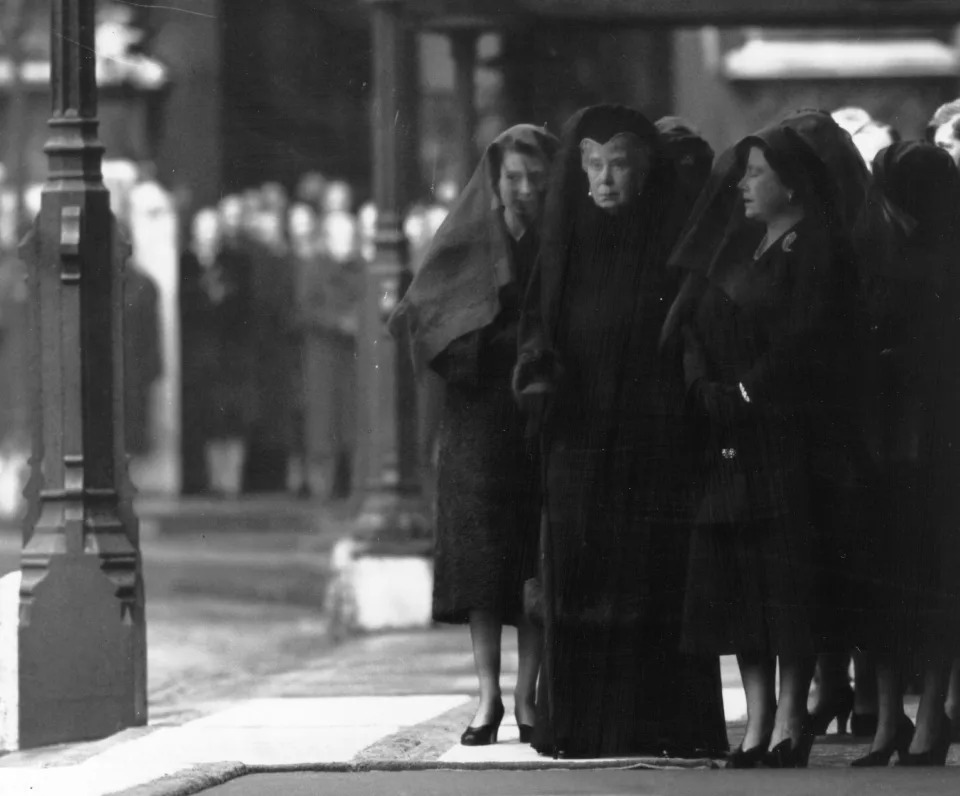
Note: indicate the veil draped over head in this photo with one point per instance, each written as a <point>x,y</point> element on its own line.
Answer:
<point>720,205</point>
<point>912,210</point>
<point>691,154</point>
<point>456,289</point>
<point>831,169</point>
<point>570,223</point>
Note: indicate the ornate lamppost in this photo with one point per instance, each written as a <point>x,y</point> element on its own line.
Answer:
<point>392,518</point>
<point>383,568</point>
<point>82,639</point>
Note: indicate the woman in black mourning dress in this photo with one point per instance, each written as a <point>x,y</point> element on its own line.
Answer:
<point>759,319</point>
<point>910,599</point>
<point>615,533</point>
<point>461,313</point>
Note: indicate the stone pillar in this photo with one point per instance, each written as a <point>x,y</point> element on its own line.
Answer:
<point>82,640</point>
<point>463,47</point>
<point>383,575</point>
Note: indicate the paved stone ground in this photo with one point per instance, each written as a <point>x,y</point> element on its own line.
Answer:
<point>243,678</point>
<point>391,701</point>
<point>289,701</point>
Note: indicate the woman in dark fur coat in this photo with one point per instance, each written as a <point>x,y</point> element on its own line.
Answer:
<point>614,542</point>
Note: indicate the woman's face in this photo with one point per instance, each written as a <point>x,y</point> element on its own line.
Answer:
<point>206,229</point>
<point>616,171</point>
<point>765,197</point>
<point>521,185</point>
<point>231,213</point>
<point>302,222</point>
<point>946,138</point>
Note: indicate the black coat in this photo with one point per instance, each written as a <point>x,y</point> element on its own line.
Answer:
<point>756,367</point>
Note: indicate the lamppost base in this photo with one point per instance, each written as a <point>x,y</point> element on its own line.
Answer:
<point>382,574</point>
<point>10,662</point>
<point>394,523</point>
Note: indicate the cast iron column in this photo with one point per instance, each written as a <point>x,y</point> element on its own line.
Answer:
<point>463,48</point>
<point>82,628</point>
<point>393,518</point>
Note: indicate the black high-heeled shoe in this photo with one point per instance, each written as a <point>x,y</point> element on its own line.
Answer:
<point>790,753</point>
<point>900,744</point>
<point>840,709</point>
<point>936,755</point>
<point>485,734</point>
<point>748,758</point>
<point>526,730</point>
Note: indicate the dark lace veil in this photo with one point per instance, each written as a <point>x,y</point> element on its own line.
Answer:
<point>569,228</point>
<point>610,440</point>
<point>819,155</point>
<point>912,210</point>
<point>456,290</point>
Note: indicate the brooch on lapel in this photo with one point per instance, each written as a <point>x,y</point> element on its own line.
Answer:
<point>788,242</point>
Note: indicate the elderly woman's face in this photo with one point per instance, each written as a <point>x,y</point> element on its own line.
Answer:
<point>521,184</point>
<point>617,170</point>
<point>765,197</point>
<point>946,138</point>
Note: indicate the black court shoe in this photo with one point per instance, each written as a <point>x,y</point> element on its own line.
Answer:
<point>936,755</point>
<point>791,753</point>
<point>748,758</point>
<point>485,734</point>
<point>526,730</point>
<point>900,744</point>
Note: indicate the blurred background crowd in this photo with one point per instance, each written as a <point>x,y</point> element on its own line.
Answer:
<point>270,285</point>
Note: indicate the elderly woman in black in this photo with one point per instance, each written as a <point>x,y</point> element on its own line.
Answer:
<point>755,320</point>
<point>614,542</point>
<point>907,574</point>
<point>461,313</point>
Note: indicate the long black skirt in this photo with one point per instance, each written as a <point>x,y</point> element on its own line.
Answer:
<point>614,688</point>
<point>487,506</point>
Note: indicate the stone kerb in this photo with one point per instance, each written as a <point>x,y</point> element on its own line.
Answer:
<point>9,662</point>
